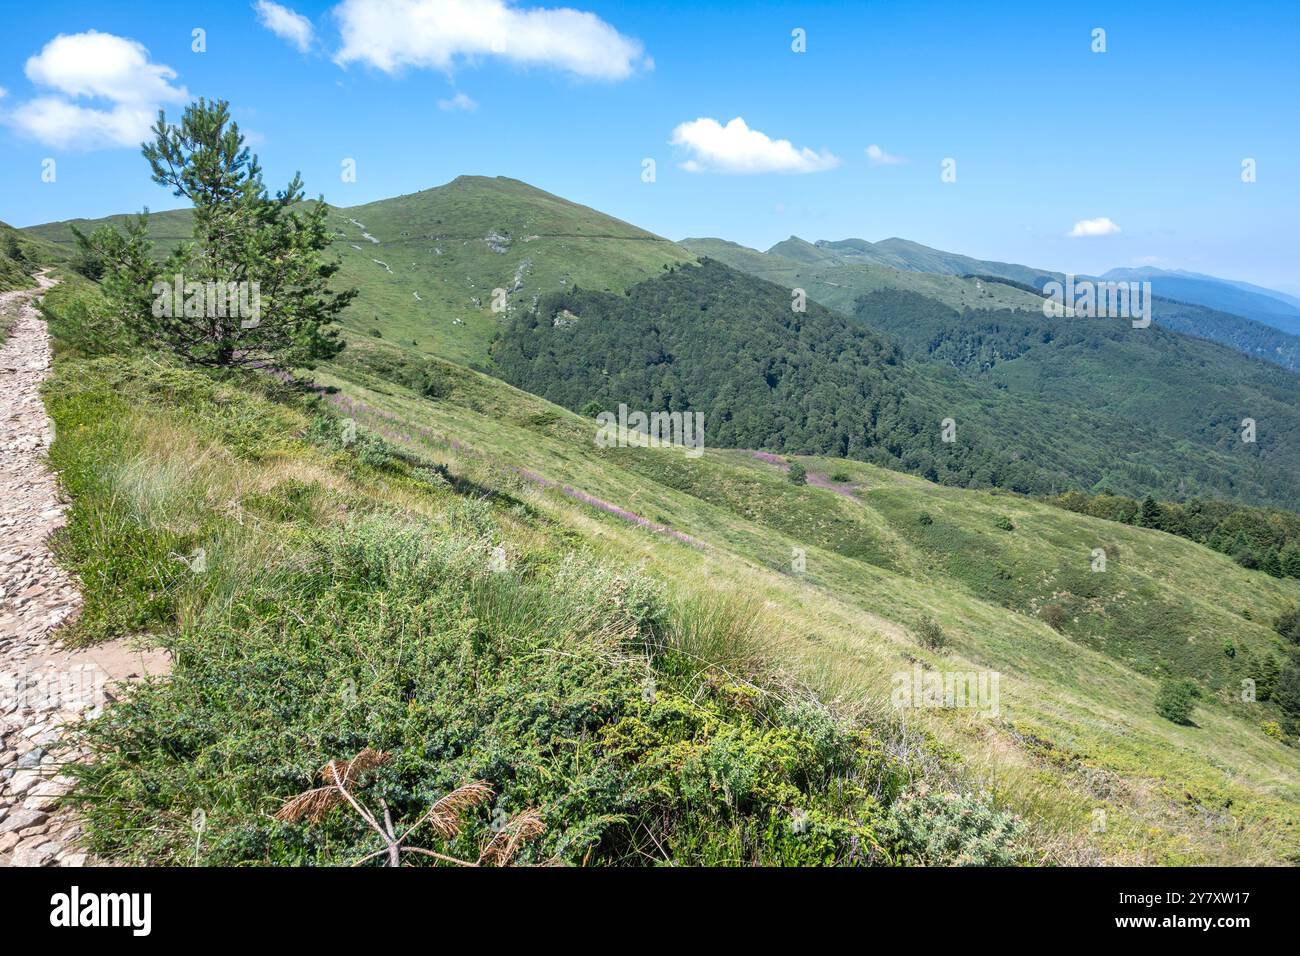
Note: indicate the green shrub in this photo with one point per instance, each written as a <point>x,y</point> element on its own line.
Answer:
<point>929,634</point>
<point>1176,700</point>
<point>797,474</point>
<point>925,519</point>
<point>1287,624</point>
<point>1054,616</point>
<point>954,829</point>
<point>1003,523</point>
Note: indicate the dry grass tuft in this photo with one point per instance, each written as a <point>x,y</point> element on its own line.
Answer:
<point>501,848</point>
<point>444,816</point>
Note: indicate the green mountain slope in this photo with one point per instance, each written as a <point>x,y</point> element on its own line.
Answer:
<point>1038,404</point>
<point>914,257</point>
<point>712,340</point>
<point>31,253</point>
<point>426,264</point>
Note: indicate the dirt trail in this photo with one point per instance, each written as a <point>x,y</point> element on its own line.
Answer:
<point>43,688</point>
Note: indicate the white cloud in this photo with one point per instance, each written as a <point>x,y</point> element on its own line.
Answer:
<point>94,66</point>
<point>1101,226</point>
<point>458,102</point>
<point>286,24</point>
<point>735,148</point>
<point>3,92</point>
<point>879,157</point>
<point>392,34</point>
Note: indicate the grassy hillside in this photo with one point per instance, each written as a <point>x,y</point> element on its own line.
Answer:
<point>16,270</point>
<point>1077,730</point>
<point>426,264</point>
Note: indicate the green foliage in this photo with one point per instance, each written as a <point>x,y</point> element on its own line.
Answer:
<point>1287,693</point>
<point>925,519</point>
<point>16,262</point>
<point>797,474</point>
<point>1003,523</point>
<point>1175,700</point>
<point>929,634</point>
<point>1054,616</point>
<point>1287,624</point>
<point>1150,515</point>
<point>763,376</point>
<point>954,829</point>
<point>1266,539</point>
<point>12,249</point>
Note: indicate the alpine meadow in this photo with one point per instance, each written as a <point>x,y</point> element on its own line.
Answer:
<point>381,487</point>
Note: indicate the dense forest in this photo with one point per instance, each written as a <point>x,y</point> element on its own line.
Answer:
<point>1137,411</point>
<point>712,339</point>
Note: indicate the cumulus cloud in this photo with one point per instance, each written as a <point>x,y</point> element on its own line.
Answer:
<point>458,102</point>
<point>879,157</point>
<point>737,149</point>
<point>437,34</point>
<point>286,24</point>
<point>114,70</point>
<point>1101,226</point>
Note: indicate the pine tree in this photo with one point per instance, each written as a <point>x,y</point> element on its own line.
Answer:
<point>253,286</point>
<point>1291,561</point>
<point>12,249</point>
<point>1287,693</point>
<point>1150,515</point>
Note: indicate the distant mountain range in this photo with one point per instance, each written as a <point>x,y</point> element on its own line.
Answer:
<point>1239,298</point>
<point>1254,321</point>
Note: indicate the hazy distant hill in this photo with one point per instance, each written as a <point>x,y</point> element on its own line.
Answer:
<point>1238,298</point>
<point>836,281</point>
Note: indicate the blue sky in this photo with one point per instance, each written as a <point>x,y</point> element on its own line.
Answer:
<point>1148,136</point>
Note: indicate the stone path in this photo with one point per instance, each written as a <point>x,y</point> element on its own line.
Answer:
<point>43,688</point>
